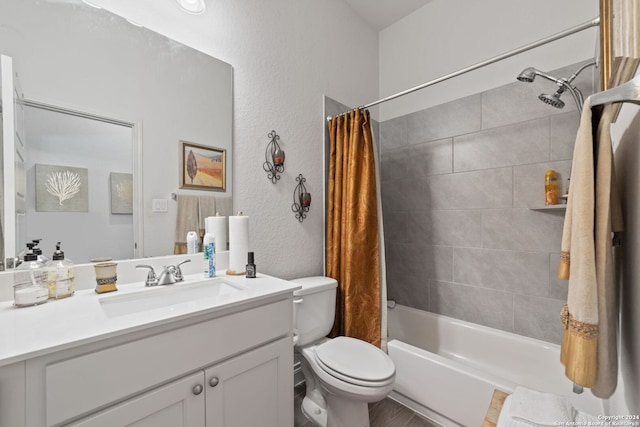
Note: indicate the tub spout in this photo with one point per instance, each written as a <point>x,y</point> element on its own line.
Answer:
<point>391,303</point>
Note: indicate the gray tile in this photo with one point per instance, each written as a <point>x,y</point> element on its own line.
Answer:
<point>430,158</point>
<point>446,120</point>
<point>528,182</point>
<point>393,165</point>
<point>538,318</point>
<point>389,413</point>
<point>468,190</point>
<point>522,229</point>
<point>417,421</point>
<point>396,226</point>
<point>405,195</point>
<point>454,228</point>
<point>393,133</point>
<point>519,272</point>
<point>558,288</point>
<point>419,262</point>
<point>409,291</point>
<point>564,128</point>
<point>484,306</point>
<point>517,144</point>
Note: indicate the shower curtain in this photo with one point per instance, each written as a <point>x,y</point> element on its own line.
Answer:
<point>353,255</point>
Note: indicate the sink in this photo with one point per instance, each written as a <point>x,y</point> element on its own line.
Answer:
<point>168,296</point>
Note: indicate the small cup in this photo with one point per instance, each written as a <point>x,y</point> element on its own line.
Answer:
<point>106,277</point>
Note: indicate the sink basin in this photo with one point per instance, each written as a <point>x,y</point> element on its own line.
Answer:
<point>167,296</point>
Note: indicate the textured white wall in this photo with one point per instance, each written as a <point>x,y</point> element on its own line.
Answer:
<point>285,54</point>
<point>445,36</point>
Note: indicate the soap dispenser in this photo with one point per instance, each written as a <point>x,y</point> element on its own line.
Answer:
<point>38,252</point>
<point>30,281</point>
<point>60,275</point>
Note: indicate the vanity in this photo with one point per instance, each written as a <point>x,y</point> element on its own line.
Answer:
<point>205,352</point>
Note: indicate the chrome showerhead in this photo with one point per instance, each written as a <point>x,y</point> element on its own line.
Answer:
<point>527,75</point>
<point>553,100</point>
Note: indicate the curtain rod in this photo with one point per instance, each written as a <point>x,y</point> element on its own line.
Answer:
<point>552,38</point>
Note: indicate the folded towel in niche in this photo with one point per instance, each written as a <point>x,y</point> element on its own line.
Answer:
<point>541,409</point>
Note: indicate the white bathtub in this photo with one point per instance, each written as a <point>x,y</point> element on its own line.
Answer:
<point>447,369</point>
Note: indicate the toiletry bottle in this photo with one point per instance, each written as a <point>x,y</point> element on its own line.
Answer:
<point>60,275</point>
<point>209,251</point>
<point>36,250</point>
<point>192,242</point>
<point>251,267</point>
<point>30,281</point>
<point>551,187</point>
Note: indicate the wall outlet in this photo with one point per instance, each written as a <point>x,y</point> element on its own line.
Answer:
<point>159,206</point>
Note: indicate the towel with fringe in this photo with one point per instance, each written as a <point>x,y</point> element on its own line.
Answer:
<point>187,220</point>
<point>192,211</point>
<point>589,349</point>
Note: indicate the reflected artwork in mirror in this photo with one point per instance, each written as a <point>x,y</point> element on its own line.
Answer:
<point>75,65</point>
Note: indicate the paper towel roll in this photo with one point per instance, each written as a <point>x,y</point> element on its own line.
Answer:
<point>238,243</point>
<point>217,225</point>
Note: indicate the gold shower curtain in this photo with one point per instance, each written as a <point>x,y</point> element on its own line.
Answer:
<point>352,255</point>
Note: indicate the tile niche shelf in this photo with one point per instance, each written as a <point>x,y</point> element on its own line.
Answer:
<point>559,207</point>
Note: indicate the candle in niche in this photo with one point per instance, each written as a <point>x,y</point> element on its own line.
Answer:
<point>305,200</point>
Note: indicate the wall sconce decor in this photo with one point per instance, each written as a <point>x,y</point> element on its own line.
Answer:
<point>273,158</point>
<point>301,199</point>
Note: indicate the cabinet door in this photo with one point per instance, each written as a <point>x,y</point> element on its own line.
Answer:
<point>178,404</point>
<point>254,389</point>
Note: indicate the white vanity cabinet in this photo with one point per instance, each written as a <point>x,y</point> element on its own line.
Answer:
<point>227,368</point>
<point>247,390</point>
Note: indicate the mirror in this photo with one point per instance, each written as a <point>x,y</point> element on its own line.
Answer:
<point>73,57</point>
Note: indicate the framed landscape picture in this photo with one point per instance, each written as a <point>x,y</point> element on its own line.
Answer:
<point>202,167</point>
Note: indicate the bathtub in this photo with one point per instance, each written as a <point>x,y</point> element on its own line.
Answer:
<point>447,369</point>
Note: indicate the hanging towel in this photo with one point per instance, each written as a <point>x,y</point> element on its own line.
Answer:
<point>224,206</point>
<point>593,212</point>
<point>187,220</point>
<point>206,207</point>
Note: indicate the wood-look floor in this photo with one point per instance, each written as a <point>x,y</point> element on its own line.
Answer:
<point>386,413</point>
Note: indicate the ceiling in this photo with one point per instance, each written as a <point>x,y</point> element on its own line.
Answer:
<point>382,13</point>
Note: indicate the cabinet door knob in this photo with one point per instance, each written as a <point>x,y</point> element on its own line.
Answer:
<point>214,381</point>
<point>197,389</point>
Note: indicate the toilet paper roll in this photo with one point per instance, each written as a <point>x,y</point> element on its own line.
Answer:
<point>217,225</point>
<point>238,243</point>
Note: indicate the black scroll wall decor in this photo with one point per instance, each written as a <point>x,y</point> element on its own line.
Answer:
<point>301,199</point>
<point>273,158</point>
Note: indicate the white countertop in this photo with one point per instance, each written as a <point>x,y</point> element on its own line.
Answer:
<point>84,318</point>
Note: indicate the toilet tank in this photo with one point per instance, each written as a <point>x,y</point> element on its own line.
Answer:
<point>314,308</point>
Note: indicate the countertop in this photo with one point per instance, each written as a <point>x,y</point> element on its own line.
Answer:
<point>82,318</point>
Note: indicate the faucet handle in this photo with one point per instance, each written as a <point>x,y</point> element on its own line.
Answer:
<point>152,280</point>
<point>178,274</point>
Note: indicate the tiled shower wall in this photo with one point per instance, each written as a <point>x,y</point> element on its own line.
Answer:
<point>458,184</point>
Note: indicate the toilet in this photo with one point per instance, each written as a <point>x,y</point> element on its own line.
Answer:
<point>342,374</point>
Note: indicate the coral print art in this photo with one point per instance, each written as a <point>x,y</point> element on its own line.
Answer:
<point>61,189</point>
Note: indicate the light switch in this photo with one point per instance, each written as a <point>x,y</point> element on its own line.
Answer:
<point>159,205</point>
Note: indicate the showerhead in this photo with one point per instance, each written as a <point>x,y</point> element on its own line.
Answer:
<point>527,75</point>
<point>553,100</point>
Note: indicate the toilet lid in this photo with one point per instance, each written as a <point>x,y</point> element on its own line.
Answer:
<point>355,359</point>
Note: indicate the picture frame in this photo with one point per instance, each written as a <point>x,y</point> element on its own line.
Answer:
<point>61,188</point>
<point>121,186</point>
<point>202,167</point>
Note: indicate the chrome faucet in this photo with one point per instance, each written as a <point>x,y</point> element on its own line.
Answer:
<point>170,274</point>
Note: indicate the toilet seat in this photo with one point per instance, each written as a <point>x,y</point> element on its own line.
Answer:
<point>356,362</point>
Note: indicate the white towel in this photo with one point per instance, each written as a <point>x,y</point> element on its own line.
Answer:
<point>506,420</point>
<point>540,409</point>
